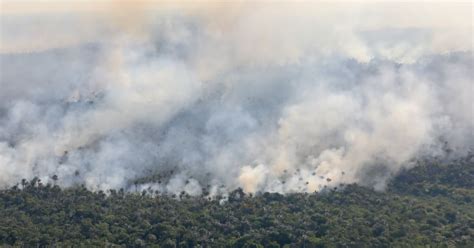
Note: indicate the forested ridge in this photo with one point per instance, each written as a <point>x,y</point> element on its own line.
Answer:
<point>431,205</point>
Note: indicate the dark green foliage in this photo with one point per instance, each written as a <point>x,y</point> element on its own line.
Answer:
<point>428,205</point>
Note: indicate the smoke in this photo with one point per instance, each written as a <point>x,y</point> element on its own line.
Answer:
<point>208,97</point>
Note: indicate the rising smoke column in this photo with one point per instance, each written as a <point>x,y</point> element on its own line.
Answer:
<point>268,97</point>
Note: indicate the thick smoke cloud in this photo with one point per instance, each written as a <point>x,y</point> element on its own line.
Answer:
<point>267,97</point>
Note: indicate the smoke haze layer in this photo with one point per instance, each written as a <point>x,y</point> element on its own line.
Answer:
<point>268,97</point>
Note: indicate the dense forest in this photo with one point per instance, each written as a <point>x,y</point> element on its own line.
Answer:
<point>430,205</point>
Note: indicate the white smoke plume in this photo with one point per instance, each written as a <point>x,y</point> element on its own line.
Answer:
<point>279,97</point>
